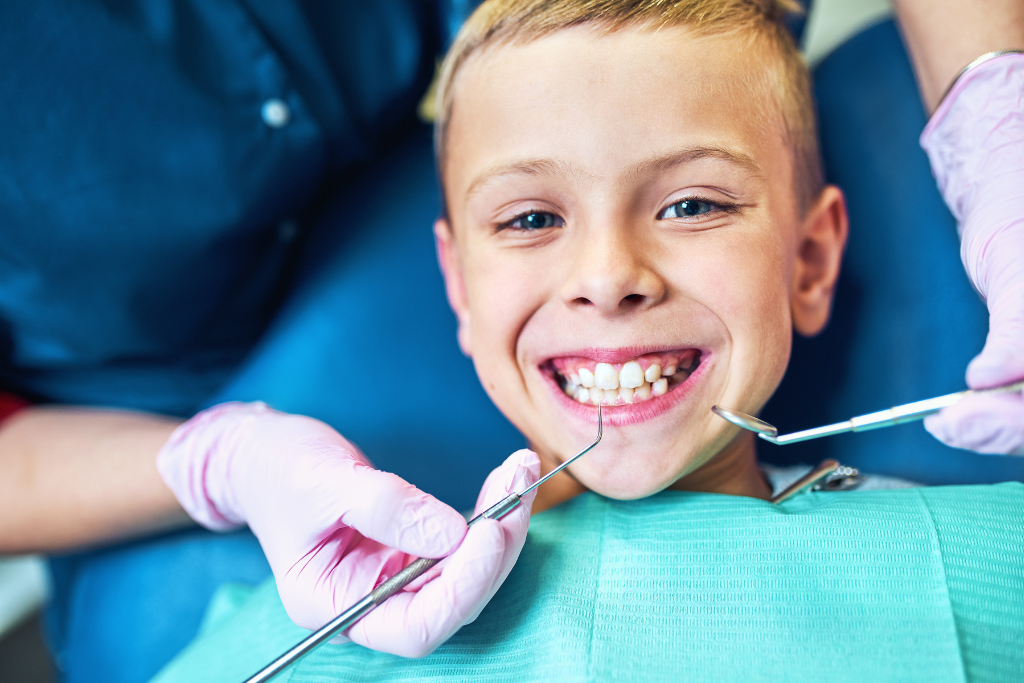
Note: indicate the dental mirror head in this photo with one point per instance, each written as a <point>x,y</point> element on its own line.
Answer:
<point>748,422</point>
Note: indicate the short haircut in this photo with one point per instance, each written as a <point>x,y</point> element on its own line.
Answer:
<point>757,23</point>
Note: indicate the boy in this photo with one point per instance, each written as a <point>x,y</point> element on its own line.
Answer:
<point>636,217</point>
<point>654,197</point>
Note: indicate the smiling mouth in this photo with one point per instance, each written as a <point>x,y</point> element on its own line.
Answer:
<point>640,379</point>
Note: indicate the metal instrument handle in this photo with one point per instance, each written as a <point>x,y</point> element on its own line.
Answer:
<point>896,415</point>
<point>919,409</point>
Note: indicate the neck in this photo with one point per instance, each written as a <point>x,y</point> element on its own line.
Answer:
<point>733,471</point>
<point>557,489</point>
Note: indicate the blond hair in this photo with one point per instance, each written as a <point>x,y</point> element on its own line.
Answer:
<point>786,80</point>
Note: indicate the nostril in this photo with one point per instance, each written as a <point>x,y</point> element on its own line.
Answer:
<point>634,298</point>
<point>582,301</point>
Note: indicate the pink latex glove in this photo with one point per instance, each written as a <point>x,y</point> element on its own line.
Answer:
<point>975,141</point>
<point>333,527</point>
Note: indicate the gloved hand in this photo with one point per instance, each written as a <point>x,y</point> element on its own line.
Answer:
<point>333,527</point>
<point>975,141</point>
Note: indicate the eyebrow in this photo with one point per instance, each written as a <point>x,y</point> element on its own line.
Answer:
<point>540,166</point>
<point>533,167</point>
<point>684,156</point>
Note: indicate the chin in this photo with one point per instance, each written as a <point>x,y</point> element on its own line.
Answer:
<point>630,473</point>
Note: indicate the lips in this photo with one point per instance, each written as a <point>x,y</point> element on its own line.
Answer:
<point>635,388</point>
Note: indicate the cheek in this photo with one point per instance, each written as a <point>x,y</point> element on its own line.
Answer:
<point>761,310</point>
<point>503,292</point>
<point>741,276</point>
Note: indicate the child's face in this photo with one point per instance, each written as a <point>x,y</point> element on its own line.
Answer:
<point>619,201</point>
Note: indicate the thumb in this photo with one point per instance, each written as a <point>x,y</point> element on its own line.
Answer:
<point>1002,359</point>
<point>985,424</point>
<point>520,471</point>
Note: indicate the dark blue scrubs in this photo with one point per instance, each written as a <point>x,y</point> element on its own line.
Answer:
<point>159,164</point>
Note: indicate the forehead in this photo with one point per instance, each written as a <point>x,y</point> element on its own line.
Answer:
<point>594,104</point>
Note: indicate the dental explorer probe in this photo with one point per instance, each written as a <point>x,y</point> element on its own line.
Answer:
<point>403,578</point>
<point>862,423</point>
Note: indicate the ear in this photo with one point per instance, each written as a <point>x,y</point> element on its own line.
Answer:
<point>819,252</point>
<point>454,282</point>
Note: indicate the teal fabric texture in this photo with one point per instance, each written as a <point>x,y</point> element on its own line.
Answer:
<point>902,585</point>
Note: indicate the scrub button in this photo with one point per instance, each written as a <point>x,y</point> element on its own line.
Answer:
<point>275,113</point>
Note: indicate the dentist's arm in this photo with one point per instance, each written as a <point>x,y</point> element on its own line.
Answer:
<point>74,477</point>
<point>975,142</point>
<point>944,36</point>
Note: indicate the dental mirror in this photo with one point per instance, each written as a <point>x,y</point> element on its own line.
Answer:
<point>908,412</point>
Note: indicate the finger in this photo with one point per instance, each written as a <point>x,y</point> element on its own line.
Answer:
<point>339,488</point>
<point>1002,359</point>
<point>427,576</point>
<point>318,587</point>
<point>414,624</point>
<point>384,507</point>
<point>986,424</point>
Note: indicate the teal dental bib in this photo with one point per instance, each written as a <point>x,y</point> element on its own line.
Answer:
<point>903,585</point>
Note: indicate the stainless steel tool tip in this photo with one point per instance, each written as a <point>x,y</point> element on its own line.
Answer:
<point>744,421</point>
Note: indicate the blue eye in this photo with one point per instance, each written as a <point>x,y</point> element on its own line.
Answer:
<point>687,208</point>
<point>535,220</point>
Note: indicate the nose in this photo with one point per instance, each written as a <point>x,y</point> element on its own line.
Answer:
<point>612,274</point>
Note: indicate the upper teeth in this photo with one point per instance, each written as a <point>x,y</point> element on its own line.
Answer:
<point>630,376</point>
<point>652,374</point>
<point>605,377</point>
<point>629,384</point>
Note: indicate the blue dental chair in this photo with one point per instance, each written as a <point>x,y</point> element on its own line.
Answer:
<point>370,294</point>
